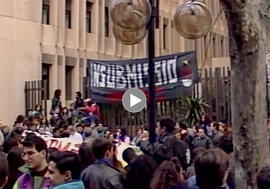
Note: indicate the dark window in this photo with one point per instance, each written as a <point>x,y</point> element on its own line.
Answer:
<point>45,12</point>
<point>46,81</point>
<point>164,36</point>
<point>107,21</point>
<point>69,70</point>
<point>89,17</point>
<point>68,14</point>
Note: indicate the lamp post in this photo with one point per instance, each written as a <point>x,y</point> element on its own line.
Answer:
<point>132,18</point>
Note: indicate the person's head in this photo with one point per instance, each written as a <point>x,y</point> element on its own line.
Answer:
<point>123,131</point>
<point>34,152</point>
<point>166,125</point>
<point>201,132</point>
<point>166,176</point>
<point>211,168</point>
<point>57,93</point>
<point>56,132</point>
<point>63,167</point>
<point>140,172</point>
<point>197,152</point>
<point>128,155</point>
<point>79,128</point>
<point>65,110</point>
<point>86,155</point>
<point>214,126</point>
<point>102,148</point>
<point>226,143</point>
<point>78,95</point>
<point>3,169</point>
<point>15,158</point>
<point>139,131</point>
<point>71,129</point>
<point>38,108</point>
<point>263,178</point>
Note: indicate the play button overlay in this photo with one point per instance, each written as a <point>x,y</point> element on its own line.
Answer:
<point>134,100</point>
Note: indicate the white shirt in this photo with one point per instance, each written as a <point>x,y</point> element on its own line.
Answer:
<point>76,136</point>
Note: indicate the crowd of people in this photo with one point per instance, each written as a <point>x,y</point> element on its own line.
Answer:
<point>181,158</point>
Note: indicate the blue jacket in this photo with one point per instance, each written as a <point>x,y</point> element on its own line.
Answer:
<point>74,184</point>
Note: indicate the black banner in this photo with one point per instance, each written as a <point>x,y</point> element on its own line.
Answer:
<point>108,80</point>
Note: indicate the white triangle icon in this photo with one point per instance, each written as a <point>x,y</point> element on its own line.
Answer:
<point>134,100</point>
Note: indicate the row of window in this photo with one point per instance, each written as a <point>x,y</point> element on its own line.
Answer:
<point>68,16</point>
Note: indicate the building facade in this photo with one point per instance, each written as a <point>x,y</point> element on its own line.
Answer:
<point>52,39</point>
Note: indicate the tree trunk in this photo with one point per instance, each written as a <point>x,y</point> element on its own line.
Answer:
<point>247,22</point>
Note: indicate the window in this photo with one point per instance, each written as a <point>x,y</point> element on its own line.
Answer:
<point>89,17</point>
<point>69,70</point>
<point>46,81</point>
<point>214,47</point>
<point>107,21</point>
<point>45,12</point>
<point>68,14</point>
<point>165,34</point>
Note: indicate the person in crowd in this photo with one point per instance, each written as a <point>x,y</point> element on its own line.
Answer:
<point>191,170</point>
<point>79,103</point>
<point>5,130</point>
<point>86,155</point>
<point>102,174</point>
<point>211,169</point>
<point>34,155</point>
<point>15,161</point>
<point>92,112</point>
<point>167,176</point>
<point>166,145</point>
<point>140,172</point>
<point>128,155</point>
<point>263,178</point>
<point>201,140</point>
<point>37,113</point>
<point>80,129</point>
<point>123,137</point>
<point>2,140</point>
<point>13,139</point>
<point>205,125</point>
<point>65,132</point>
<point>19,121</point>
<point>73,134</point>
<point>56,132</point>
<point>216,134</point>
<point>65,114</point>
<point>4,170</point>
<point>64,170</point>
<point>226,144</point>
<point>137,138</point>
<point>56,102</point>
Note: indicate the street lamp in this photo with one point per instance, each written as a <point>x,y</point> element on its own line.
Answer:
<point>132,18</point>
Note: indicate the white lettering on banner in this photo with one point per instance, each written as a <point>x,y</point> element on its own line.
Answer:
<point>132,75</point>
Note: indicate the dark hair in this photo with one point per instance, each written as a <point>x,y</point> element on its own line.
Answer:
<point>216,126</point>
<point>3,168</point>
<point>226,143</point>
<point>19,119</point>
<point>34,141</point>
<point>197,151</point>
<point>79,94</point>
<point>177,164</point>
<point>128,155</point>
<point>210,168</point>
<point>67,161</point>
<point>86,155</point>
<point>14,158</point>
<point>263,178</point>
<point>168,123</point>
<point>166,176</point>
<point>57,93</point>
<point>140,172</point>
<point>100,146</point>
